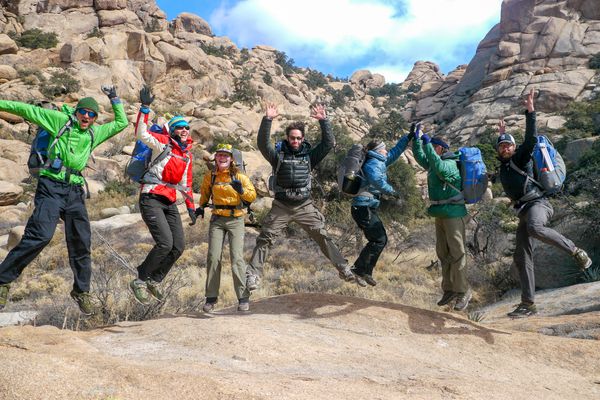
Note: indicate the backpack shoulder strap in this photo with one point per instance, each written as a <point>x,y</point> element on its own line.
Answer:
<point>280,156</point>
<point>525,174</point>
<point>166,151</point>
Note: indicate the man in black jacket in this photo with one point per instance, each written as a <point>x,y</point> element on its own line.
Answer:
<point>292,163</point>
<point>533,208</point>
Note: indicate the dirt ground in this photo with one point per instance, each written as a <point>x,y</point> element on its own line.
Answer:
<point>300,346</point>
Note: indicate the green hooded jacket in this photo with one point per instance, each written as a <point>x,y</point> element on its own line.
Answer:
<point>74,147</point>
<point>439,171</point>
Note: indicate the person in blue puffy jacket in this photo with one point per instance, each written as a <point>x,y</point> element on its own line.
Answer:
<point>366,202</point>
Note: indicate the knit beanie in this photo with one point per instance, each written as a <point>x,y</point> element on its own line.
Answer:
<point>89,103</point>
<point>176,121</point>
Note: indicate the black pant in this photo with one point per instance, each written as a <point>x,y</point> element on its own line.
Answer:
<point>368,220</point>
<point>54,200</point>
<point>164,223</point>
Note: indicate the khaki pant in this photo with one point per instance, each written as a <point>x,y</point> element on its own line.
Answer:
<point>309,218</point>
<point>234,227</point>
<point>450,249</point>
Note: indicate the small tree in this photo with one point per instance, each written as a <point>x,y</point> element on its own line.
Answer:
<point>36,39</point>
<point>285,62</point>
<point>244,90</point>
<point>59,84</point>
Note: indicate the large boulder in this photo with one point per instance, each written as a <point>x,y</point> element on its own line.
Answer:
<point>7,45</point>
<point>13,161</point>
<point>57,6</point>
<point>75,52</point>
<point>577,148</point>
<point>7,72</point>
<point>10,193</point>
<point>365,80</point>
<point>110,4</point>
<point>110,18</point>
<point>14,236</point>
<point>191,23</point>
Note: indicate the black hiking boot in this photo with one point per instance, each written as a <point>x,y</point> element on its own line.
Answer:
<point>369,279</point>
<point>446,298</point>
<point>358,278</point>
<point>523,310</point>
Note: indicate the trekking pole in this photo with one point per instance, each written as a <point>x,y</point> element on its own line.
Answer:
<point>114,253</point>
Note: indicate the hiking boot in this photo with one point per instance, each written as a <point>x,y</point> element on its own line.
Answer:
<point>252,282</point>
<point>358,277</point>
<point>523,310</point>
<point>346,274</point>
<point>4,288</point>
<point>209,307</point>
<point>446,298</point>
<point>84,301</point>
<point>583,260</point>
<point>244,306</point>
<point>462,300</point>
<point>369,279</point>
<point>140,292</point>
<point>154,291</point>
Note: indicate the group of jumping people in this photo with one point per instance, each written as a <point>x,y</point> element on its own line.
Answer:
<point>227,191</point>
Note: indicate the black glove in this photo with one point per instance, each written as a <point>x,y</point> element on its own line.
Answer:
<point>411,133</point>
<point>146,97</point>
<point>200,212</point>
<point>237,186</point>
<point>110,91</point>
<point>192,214</point>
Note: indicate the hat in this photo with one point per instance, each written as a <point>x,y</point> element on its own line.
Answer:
<point>439,142</point>
<point>89,103</point>
<point>176,121</point>
<point>224,148</point>
<point>505,138</point>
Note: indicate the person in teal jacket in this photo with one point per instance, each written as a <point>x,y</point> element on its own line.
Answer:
<point>60,191</point>
<point>447,207</point>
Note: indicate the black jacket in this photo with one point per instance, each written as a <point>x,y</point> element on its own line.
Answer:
<point>516,185</point>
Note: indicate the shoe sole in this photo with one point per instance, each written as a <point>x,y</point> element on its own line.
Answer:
<point>521,315</point>
<point>80,310</point>
<point>466,304</point>
<point>587,265</point>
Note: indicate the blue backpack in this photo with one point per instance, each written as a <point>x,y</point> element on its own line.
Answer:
<point>141,158</point>
<point>473,174</point>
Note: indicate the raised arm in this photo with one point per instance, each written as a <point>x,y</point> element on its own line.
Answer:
<point>149,140</point>
<point>397,150</point>
<point>263,140</point>
<point>418,146</point>
<point>50,120</point>
<point>104,132</point>
<point>320,151</point>
<point>523,152</point>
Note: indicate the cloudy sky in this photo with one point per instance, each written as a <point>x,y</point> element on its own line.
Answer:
<point>339,37</point>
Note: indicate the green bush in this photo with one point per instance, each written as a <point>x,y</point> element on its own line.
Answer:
<point>595,61</point>
<point>389,89</point>
<point>95,33</point>
<point>244,56</point>
<point>339,97</point>
<point>390,128</point>
<point>118,187</point>
<point>315,79</point>
<point>60,83</point>
<point>37,39</point>
<point>218,51</point>
<point>244,91</point>
<point>285,62</point>
<point>267,78</point>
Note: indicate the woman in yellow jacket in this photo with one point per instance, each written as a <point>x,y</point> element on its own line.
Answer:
<point>229,189</point>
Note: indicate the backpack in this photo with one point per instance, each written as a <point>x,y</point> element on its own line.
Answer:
<point>473,176</point>
<point>141,158</point>
<point>41,145</point>
<point>350,177</point>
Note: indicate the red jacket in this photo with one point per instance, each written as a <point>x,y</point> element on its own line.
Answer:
<point>174,172</point>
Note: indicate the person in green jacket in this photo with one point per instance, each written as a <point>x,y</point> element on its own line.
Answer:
<point>448,209</point>
<point>60,191</point>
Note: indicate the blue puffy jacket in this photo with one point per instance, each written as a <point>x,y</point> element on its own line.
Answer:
<point>375,173</point>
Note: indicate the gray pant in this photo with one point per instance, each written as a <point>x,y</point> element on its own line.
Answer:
<point>450,249</point>
<point>219,227</point>
<point>309,218</point>
<point>532,221</point>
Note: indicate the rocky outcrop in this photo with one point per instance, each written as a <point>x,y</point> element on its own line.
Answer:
<point>9,193</point>
<point>7,45</point>
<point>191,23</point>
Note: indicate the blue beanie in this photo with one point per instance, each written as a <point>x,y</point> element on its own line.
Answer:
<point>175,122</point>
<point>439,142</point>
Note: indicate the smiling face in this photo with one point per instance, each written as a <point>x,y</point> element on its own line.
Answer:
<point>222,160</point>
<point>183,132</point>
<point>506,150</point>
<point>295,138</point>
<point>85,117</point>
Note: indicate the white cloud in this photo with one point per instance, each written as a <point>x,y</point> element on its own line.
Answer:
<point>388,33</point>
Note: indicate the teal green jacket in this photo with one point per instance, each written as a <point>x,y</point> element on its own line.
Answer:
<point>75,146</point>
<point>439,171</point>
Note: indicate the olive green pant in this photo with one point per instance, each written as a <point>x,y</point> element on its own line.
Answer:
<point>450,249</point>
<point>234,228</point>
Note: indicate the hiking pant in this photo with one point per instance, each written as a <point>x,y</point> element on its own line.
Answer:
<point>371,225</point>
<point>309,218</point>
<point>164,223</point>
<point>54,200</point>
<point>532,221</point>
<point>234,228</point>
<point>450,249</point>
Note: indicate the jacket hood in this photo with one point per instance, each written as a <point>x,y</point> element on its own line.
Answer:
<point>450,155</point>
<point>376,155</point>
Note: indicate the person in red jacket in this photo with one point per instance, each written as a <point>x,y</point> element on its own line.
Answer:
<point>170,170</point>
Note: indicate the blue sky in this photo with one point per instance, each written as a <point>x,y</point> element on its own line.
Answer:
<point>339,37</point>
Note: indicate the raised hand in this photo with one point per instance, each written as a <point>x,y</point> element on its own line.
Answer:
<point>109,90</point>
<point>271,111</point>
<point>529,101</point>
<point>318,112</point>
<point>417,130</point>
<point>146,97</point>
<point>501,126</point>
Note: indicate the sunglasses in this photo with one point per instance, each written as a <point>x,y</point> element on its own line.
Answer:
<point>295,138</point>
<point>224,146</point>
<point>89,113</point>
<point>187,128</point>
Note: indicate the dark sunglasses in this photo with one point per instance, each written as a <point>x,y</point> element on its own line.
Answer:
<point>187,128</point>
<point>91,114</point>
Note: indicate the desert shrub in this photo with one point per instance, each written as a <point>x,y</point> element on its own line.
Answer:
<point>390,128</point>
<point>95,33</point>
<point>244,55</point>
<point>218,51</point>
<point>595,61</point>
<point>414,87</point>
<point>36,39</point>
<point>267,78</point>
<point>60,83</point>
<point>339,97</point>
<point>31,76</point>
<point>315,79</point>
<point>153,26</point>
<point>389,89</point>
<point>244,90</point>
<point>285,62</point>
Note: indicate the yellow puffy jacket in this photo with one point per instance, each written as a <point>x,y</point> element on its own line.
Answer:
<point>224,195</point>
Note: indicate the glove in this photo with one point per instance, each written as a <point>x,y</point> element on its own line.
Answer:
<point>417,131</point>
<point>425,138</point>
<point>146,97</point>
<point>110,91</point>
<point>411,133</point>
<point>192,214</point>
<point>237,186</point>
<point>200,212</point>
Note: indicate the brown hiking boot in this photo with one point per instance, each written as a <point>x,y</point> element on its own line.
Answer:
<point>358,277</point>
<point>154,290</point>
<point>84,301</point>
<point>4,288</point>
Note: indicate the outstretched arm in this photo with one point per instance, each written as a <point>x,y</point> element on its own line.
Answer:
<point>104,132</point>
<point>523,153</point>
<point>263,140</point>
<point>50,120</point>
<point>327,143</point>
<point>418,148</point>
<point>397,150</point>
